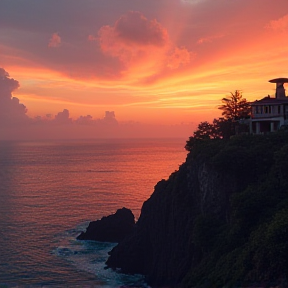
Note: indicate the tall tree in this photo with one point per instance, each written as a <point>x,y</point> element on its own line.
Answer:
<point>205,131</point>
<point>235,107</point>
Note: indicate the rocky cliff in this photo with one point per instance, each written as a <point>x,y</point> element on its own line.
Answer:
<point>189,222</point>
<point>112,228</point>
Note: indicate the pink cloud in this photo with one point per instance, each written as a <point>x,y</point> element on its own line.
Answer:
<point>110,118</point>
<point>193,1</point>
<point>85,120</point>
<point>63,117</point>
<point>180,56</point>
<point>210,38</point>
<point>55,41</point>
<point>92,38</point>
<point>142,45</point>
<point>135,29</point>
<point>132,36</point>
<point>11,110</point>
<point>279,25</point>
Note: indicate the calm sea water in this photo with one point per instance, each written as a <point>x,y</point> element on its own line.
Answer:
<point>49,191</point>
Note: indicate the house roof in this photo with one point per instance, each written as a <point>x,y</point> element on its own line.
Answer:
<point>279,80</point>
<point>270,101</point>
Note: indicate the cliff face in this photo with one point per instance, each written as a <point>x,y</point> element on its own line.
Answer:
<point>161,246</point>
<point>166,245</point>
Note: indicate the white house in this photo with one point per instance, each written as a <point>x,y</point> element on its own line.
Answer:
<point>270,113</point>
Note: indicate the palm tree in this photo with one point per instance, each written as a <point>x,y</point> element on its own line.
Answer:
<point>235,107</point>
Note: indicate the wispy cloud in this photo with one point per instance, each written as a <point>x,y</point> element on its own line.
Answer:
<point>279,25</point>
<point>180,56</point>
<point>210,39</point>
<point>55,41</point>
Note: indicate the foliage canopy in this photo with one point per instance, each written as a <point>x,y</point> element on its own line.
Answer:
<point>251,246</point>
<point>235,107</point>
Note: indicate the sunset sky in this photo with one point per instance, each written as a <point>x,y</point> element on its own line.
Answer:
<point>163,62</point>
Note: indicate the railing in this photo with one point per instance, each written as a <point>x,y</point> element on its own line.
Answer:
<point>266,115</point>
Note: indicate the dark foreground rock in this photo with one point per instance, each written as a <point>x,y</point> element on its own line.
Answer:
<point>221,220</point>
<point>160,247</point>
<point>112,228</point>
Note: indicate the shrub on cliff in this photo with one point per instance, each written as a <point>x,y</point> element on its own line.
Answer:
<point>234,108</point>
<point>220,221</point>
<point>252,246</point>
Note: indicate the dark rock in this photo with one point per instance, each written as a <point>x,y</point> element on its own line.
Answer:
<point>160,246</point>
<point>220,221</point>
<point>112,228</point>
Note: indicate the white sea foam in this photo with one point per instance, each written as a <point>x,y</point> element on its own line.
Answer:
<point>90,256</point>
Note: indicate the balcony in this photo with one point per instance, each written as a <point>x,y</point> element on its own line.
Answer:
<point>267,115</point>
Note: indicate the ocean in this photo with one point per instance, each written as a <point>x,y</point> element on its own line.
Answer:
<point>49,191</point>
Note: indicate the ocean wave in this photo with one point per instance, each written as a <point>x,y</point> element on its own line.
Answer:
<point>90,256</point>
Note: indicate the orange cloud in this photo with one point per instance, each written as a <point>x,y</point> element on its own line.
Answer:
<point>92,38</point>
<point>55,41</point>
<point>134,29</point>
<point>279,25</point>
<point>180,56</point>
<point>143,46</point>
<point>132,36</point>
<point>209,38</point>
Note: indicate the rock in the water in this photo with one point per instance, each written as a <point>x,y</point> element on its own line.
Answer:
<point>160,246</point>
<point>112,228</point>
<point>220,221</point>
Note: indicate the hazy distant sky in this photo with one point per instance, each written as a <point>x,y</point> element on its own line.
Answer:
<point>155,62</point>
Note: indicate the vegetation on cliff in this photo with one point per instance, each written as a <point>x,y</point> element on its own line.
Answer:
<point>235,111</point>
<point>251,245</point>
<point>221,220</point>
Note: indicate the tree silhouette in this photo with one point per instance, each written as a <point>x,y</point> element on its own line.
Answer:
<point>205,131</point>
<point>235,107</point>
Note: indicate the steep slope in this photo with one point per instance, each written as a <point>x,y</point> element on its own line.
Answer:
<point>210,213</point>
